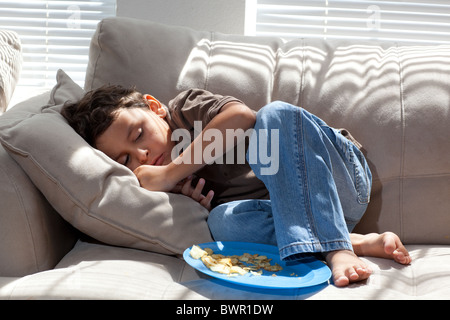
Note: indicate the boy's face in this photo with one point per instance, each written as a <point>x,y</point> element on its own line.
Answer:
<point>138,136</point>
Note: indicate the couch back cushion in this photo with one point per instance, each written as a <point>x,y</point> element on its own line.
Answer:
<point>395,100</point>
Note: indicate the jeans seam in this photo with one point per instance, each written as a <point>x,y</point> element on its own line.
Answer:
<point>317,246</point>
<point>347,147</point>
<point>309,215</point>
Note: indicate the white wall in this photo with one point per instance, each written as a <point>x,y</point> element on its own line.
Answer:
<point>227,16</point>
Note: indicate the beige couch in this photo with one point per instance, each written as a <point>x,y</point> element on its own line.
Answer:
<point>394,99</point>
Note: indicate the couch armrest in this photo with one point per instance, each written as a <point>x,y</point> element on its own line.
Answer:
<point>10,65</point>
<point>34,237</point>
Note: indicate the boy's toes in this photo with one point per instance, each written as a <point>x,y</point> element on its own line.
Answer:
<point>401,257</point>
<point>341,280</point>
<point>363,272</point>
<point>346,267</point>
<point>394,248</point>
<point>344,278</point>
<point>352,275</point>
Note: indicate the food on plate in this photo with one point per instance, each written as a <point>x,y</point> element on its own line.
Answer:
<point>234,265</point>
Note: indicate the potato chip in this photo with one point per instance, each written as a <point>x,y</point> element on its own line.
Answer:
<point>197,252</point>
<point>220,268</point>
<point>237,269</point>
<point>274,268</point>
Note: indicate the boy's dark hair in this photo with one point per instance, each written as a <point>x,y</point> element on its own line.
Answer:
<point>95,112</point>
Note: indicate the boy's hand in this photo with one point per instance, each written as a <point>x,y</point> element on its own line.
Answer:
<point>185,187</point>
<point>156,178</point>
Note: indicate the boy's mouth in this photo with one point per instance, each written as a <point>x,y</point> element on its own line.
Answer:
<point>158,161</point>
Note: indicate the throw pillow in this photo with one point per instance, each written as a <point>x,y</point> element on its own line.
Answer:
<point>95,194</point>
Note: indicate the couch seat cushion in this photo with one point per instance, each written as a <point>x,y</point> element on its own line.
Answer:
<point>96,271</point>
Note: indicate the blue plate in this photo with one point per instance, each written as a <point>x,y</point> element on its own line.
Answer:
<point>303,273</point>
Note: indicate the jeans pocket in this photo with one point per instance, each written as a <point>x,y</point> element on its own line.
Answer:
<point>361,172</point>
<point>363,176</point>
<point>355,163</point>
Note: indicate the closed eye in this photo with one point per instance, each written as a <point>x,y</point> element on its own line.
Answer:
<point>127,160</point>
<point>140,132</point>
<point>127,157</point>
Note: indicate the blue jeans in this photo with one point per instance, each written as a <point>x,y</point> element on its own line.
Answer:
<point>317,195</point>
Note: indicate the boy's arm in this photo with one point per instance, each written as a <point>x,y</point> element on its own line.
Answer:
<point>233,115</point>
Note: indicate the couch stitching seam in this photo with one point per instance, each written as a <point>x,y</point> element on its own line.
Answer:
<point>208,67</point>
<point>403,129</point>
<point>302,76</point>
<point>100,27</point>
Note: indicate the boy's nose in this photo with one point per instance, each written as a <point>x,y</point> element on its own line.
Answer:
<point>142,156</point>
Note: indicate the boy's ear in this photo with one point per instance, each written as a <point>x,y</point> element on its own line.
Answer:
<point>155,105</point>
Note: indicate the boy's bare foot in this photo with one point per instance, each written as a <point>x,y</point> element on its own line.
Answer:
<point>386,245</point>
<point>346,267</point>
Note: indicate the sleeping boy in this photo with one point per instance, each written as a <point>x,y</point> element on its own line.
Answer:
<point>305,197</point>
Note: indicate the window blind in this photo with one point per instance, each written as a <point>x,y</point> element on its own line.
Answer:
<point>413,22</point>
<point>54,35</point>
